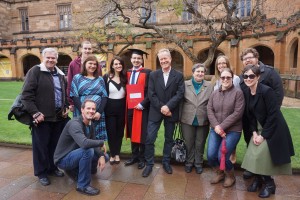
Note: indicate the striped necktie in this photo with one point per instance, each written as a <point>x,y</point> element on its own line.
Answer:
<point>133,77</point>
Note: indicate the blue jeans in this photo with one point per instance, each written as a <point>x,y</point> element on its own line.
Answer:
<point>80,159</point>
<point>152,129</point>
<point>215,144</point>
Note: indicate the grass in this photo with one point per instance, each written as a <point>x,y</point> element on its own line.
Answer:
<point>17,133</point>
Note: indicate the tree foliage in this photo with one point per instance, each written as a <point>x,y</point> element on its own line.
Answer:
<point>215,20</point>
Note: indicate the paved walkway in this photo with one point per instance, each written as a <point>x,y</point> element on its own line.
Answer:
<point>119,182</point>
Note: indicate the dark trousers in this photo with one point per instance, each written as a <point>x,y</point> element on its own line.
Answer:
<point>115,122</point>
<point>44,140</point>
<point>137,149</point>
<point>153,128</point>
<point>195,138</point>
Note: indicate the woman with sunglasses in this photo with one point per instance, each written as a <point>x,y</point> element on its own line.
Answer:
<point>221,63</point>
<point>225,110</point>
<point>271,146</point>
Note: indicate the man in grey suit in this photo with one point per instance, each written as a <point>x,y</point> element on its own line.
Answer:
<point>165,91</point>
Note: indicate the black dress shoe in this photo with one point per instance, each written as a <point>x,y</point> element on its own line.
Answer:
<point>56,173</point>
<point>44,181</point>
<point>199,170</point>
<point>89,190</point>
<point>268,189</point>
<point>147,171</point>
<point>141,165</point>
<point>255,185</point>
<point>130,162</point>
<point>167,167</point>
<point>188,169</point>
<point>247,174</point>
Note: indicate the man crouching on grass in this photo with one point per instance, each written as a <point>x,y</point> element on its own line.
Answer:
<point>78,152</point>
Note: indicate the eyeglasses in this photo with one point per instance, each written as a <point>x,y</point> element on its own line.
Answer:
<point>222,63</point>
<point>251,76</point>
<point>248,58</point>
<point>226,77</point>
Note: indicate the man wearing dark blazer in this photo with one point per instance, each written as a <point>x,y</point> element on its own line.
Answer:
<point>165,91</point>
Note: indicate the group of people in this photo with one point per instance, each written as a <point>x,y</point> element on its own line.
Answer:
<point>229,105</point>
<point>138,100</point>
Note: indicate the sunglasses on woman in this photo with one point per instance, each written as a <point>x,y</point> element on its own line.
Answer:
<point>251,76</point>
<point>226,77</point>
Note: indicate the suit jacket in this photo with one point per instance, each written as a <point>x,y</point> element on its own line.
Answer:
<point>262,108</point>
<point>160,95</point>
<point>195,105</point>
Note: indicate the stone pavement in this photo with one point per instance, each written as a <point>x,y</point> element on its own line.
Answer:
<point>17,182</point>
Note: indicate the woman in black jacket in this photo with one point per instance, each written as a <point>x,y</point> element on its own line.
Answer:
<point>270,147</point>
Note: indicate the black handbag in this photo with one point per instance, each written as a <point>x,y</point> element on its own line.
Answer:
<point>18,111</point>
<point>179,149</point>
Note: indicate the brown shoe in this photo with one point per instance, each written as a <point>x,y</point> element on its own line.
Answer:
<point>229,178</point>
<point>218,177</point>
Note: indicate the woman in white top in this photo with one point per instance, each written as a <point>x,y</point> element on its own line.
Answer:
<point>115,81</point>
<point>222,62</point>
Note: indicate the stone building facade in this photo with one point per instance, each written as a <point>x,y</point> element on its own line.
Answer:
<point>28,26</point>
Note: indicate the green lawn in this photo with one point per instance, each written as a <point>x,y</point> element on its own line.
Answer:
<point>15,132</point>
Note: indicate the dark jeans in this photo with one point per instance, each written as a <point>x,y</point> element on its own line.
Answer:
<point>153,128</point>
<point>215,144</point>
<point>115,122</point>
<point>82,160</point>
<point>44,140</point>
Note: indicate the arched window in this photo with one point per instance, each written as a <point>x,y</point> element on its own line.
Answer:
<point>294,54</point>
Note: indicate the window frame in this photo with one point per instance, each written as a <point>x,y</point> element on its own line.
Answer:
<point>23,12</point>
<point>64,12</point>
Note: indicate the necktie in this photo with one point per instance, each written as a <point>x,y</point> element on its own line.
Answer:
<point>133,77</point>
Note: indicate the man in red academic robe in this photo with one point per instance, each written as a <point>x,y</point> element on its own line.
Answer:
<point>137,113</point>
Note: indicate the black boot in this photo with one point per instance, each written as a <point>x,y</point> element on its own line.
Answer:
<point>256,184</point>
<point>269,187</point>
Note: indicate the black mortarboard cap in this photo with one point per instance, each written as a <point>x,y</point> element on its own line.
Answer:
<point>138,52</point>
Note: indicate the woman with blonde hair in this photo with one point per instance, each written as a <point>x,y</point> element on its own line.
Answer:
<point>222,62</point>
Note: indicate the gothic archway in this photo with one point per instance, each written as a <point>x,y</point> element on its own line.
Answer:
<point>266,55</point>
<point>5,67</point>
<point>177,61</point>
<point>29,61</point>
<point>202,56</point>
<point>63,62</point>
